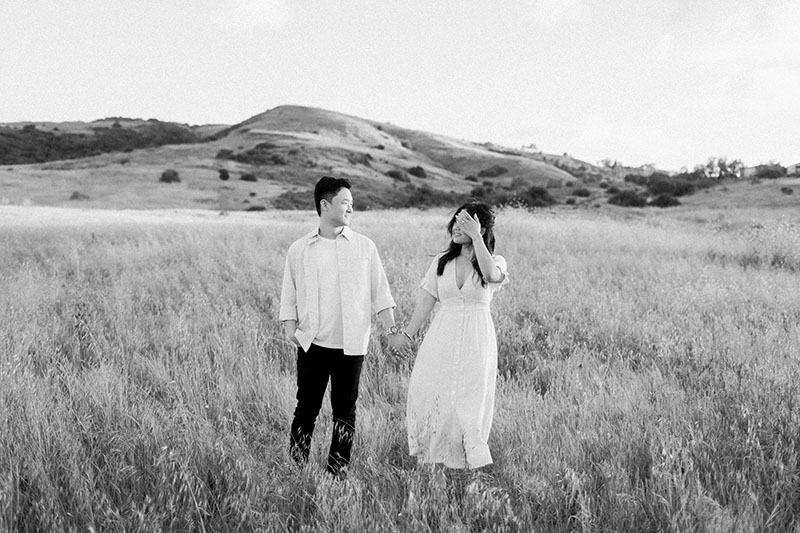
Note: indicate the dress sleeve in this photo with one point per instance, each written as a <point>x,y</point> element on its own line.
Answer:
<point>500,261</point>
<point>430,283</point>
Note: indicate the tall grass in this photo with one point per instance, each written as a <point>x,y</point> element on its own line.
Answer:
<point>648,381</point>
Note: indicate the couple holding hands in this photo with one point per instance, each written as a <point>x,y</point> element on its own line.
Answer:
<point>332,285</point>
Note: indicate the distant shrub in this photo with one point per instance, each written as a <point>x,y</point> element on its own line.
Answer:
<point>665,200</point>
<point>533,196</point>
<point>603,185</point>
<point>406,145</point>
<point>357,158</point>
<point>418,171</point>
<point>787,190</point>
<point>78,196</point>
<point>260,154</point>
<point>771,172</point>
<point>224,175</point>
<point>30,145</point>
<point>169,176</point>
<point>637,179</point>
<point>612,190</point>
<point>471,178</point>
<point>661,186</point>
<point>537,197</point>
<point>570,201</point>
<point>684,187</point>
<point>398,175</point>
<point>278,159</point>
<point>581,191</point>
<point>380,147</point>
<point>627,198</point>
<point>256,208</point>
<point>570,184</point>
<point>252,194</point>
<point>492,172</point>
<point>248,177</point>
<point>225,153</point>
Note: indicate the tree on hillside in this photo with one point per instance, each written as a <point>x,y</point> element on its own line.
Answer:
<point>721,168</point>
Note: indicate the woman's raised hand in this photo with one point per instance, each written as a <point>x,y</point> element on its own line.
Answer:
<point>469,225</point>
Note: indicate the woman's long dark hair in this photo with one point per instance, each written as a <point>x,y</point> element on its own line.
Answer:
<point>486,217</point>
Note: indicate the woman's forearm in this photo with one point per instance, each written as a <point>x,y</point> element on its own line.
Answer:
<point>423,308</point>
<point>489,268</point>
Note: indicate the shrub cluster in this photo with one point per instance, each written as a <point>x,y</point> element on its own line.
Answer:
<point>492,172</point>
<point>260,154</point>
<point>398,175</point>
<point>418,171</point>
<point>628,198</point>
<point>170,176</point>
<point>359,158</point>
<point>516,194</point>
<point>665,200</point>
<point>770,172</point>
<point>682,184</point>
<point>29,145</point>
<point>387,197</point>
<point>631,198</point>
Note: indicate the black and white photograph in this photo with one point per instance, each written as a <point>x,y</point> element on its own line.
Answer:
<point>382,266</point>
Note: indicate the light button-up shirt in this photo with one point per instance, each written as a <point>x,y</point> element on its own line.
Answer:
<point>363,287</point>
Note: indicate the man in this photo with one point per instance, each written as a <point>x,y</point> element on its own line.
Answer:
<point>332,284</point>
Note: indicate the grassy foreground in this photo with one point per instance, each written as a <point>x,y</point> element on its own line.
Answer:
<point>649,382</point>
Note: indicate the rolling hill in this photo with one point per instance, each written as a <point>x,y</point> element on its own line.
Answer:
<point>274,158</point>
<point>284,150</point>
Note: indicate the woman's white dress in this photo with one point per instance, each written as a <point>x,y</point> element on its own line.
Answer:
<point>451,391</point>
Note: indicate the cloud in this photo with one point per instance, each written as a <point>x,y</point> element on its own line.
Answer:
<point>632,144</point>
<point>558,8</point>
<point>250,14</point>
<point>768,39</point>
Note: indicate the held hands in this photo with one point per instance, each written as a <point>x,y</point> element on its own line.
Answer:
<point>469,225</point>
<point>399,343</point>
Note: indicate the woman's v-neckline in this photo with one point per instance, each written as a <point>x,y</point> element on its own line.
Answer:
<point>455,276</point>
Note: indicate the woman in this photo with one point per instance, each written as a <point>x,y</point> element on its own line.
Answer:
<point>451,391</point>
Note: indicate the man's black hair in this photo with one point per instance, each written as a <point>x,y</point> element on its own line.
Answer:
<point>327,187</point>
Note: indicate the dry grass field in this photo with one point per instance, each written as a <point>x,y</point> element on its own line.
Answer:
<point>648,377</point>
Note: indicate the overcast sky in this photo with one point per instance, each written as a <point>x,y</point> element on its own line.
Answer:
<point>669,82</point>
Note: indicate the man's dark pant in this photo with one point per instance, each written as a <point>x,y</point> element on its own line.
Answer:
<point>313,370</point>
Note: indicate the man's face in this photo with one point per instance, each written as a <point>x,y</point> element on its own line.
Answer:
<point>339,210</point>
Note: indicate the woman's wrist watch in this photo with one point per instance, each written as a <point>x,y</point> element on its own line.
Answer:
<point>393,330</point>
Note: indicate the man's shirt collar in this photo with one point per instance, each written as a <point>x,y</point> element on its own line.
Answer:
<point>346,232</point>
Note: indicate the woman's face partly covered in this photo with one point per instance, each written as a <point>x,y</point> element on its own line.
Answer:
<point>456,234</point>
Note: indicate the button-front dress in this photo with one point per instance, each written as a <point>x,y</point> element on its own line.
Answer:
<point>451,390</point>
